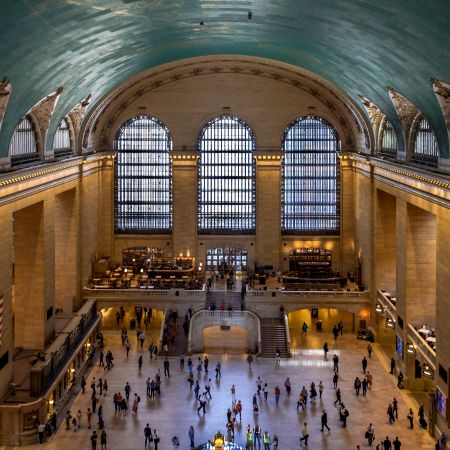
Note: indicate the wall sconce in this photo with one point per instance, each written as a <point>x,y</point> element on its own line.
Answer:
<point>427,371</point>
<point>125,270</point>
<point>51,401</point>
<point>390,323</point>
<point>410,349</point>
<point>364,314</point>
<point>378,308</point>
<point>142,270</point>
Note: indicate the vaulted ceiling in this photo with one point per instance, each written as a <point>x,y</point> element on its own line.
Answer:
<point>90,46</point>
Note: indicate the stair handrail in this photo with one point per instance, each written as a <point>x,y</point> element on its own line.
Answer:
<point>161,333</point>
<point>211,313</point>
<point>288,334</point>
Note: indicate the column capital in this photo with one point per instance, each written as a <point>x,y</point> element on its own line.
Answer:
<point>186,158</point>
<point>268,157</point>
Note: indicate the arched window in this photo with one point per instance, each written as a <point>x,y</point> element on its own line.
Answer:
<point>226,177</point>
<point>389,144</point>
<point>61,141</point>
<point>143,181</point>
<point>426,148</point>
<point>23,146</point>
<point>310,178</point>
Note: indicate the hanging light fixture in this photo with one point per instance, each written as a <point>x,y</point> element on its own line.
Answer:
<point>378,308</point>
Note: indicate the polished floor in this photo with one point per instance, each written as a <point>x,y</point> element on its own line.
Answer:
<point>176,409</point>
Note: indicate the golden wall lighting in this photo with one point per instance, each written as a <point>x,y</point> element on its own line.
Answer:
<point>427,371</point>
<point>410,349</point>
<point>390,323</point>
<point>378,308</point>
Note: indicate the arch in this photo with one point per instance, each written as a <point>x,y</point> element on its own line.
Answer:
<point>226,144</point>
<point>310,177</point>
<point>24,145</point>
<point>387,139</point>
<point>143,177</point>
<point>424,147</point>
<point>63,140</point>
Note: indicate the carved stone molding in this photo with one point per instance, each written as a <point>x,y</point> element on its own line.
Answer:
<point>442,91</point>
<point>77,113</point>
<point>43,111</point>
<point>5,93</point>
<point>406,111</point>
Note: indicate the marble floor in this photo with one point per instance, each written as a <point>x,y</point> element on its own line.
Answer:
<point>175,410</point>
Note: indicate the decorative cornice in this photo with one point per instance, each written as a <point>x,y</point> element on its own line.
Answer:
<point>5,94</point>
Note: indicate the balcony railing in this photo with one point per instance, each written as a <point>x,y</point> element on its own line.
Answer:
<point>387,305</point>
<point>44,373</point>
<point>422,346</point>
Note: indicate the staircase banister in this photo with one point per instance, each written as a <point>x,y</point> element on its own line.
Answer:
<point>288,334</point>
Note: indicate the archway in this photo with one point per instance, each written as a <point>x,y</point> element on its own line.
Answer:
<point>225,339</point>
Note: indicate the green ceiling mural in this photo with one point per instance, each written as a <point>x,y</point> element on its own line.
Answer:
<point>89,46</point>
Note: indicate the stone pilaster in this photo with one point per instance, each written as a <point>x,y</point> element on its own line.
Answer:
<point>268,207</point>
<point>184,201</point>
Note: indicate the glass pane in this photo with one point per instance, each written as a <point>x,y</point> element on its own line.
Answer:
<point>226,174</point>
<point>143,181</point>
<point>310,189</point>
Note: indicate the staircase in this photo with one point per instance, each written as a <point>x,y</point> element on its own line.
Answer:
<point>228,298</point>
<point>180,341</point>
<point>273,337</point>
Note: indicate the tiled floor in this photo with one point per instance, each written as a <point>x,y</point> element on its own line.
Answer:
<point>175,410</point>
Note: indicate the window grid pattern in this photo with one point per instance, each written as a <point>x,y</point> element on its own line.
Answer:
<point>426,148</point>
<point>23,145</point>
<point>310,178</point>
<point>226,177</point>
<point>61,141</point>
<point>389,143</point>
<point>143,177</point>
<point>226,258</point>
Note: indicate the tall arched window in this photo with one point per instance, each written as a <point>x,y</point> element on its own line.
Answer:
<point>143,182</point>
<point>226,177</point>
<point>389,144</point>
<point>426,148</point>
<point>23,146</point>
<point>61,141</point>
<point>310,189</point>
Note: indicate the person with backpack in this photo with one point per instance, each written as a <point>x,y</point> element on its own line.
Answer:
<point>136,401</point>
<point>148,435</point>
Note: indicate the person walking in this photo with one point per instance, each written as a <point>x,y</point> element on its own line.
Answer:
<point>325,349</point>
<point>387,444</point>
<point>208,388</point>
<point>370,433</point>
<point>258,385</point>
<point>140,362</point>
<point>410,417</point>
<point>233,393</point>
<point>127,390</point>
<point>400,377</point>
<point>392,366</point>
<point>287,385</point>
<point>266,440</point>
<point>249,361</point>
<point>167,368</point>
<point>364,364</point>
<point>191,434</point>
<point>304,328</point>
<point>390,413</point>
<point>357,385</point>
<point>239,410</point>
<point>336,363</point>
<point>127,346</point>
<point>41,431</point>
<point>182,362</point>
<point>277,357</point>
<point>369,350</point>
<point>364,385</point>
<point>277,394</point>
<point>257,435</point>
<point>83,383</point>
<point>94,440</point>
<point>343,415</point>
<point>148,435</point>
<point>218,370</point>
<point>156,439</point>
<point>103,440</point>
<point>89,417</point>
<point>395,407</point>
<point>335,332</point>
<point>338,397</point>
<point>369,380</point>
<point>320,389</point>
<point>324,421</point>
<point>197,390</point>
<point>275,442</point>
<point>397,444</point>
<point>335,379</point>
<point>265,391</point>
<point>305,434</point>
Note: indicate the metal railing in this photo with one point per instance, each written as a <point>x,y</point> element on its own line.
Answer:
<point>44,373</point>
<point>422,346</point>
<point>288,334</point>
<point>387,305</point>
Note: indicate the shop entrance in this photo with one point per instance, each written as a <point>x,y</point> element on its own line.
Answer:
<point>223,259</point>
